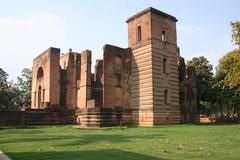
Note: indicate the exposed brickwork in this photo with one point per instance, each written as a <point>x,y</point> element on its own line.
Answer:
<point>46,79</point>
<point>37,117</point>
<point>151,76</point>
<point>116,77</point>
<point>136,85</point>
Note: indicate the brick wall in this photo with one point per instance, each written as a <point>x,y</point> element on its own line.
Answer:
<point>37,117</point>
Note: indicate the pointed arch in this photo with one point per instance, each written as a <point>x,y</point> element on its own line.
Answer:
<point>40,73</point>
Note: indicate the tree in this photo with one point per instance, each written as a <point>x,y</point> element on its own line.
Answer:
<point>222,93</point>
<point>229,65</point>
<point>3,79</point>
<point>236,32</point>
<point>6,92</point>
<point>23,88</point>
<point>3,88</point>
<point>204,76</point>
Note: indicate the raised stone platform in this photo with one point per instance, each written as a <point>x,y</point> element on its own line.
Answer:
<point>103,117</point>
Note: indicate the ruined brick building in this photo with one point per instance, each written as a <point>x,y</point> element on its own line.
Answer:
<point>136,85</point>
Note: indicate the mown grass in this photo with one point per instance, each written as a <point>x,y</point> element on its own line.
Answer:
<point>173,142</point>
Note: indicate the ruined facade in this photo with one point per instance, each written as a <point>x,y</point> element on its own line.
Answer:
<point>136,85</point>
<point>188,93</point>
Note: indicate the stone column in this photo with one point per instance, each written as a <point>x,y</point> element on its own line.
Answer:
<point>85,80</point>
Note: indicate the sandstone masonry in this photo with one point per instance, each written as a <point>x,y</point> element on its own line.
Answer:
<point>137,85</point>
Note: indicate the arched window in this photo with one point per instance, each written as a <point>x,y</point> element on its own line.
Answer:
<point>163,38</point>
<point>139,34</point>
<point>164,65</point>
<point>40,73</point>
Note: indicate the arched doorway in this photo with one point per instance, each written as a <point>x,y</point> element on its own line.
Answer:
<point>40,87</point>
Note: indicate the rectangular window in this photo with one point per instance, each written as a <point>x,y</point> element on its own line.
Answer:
<point>164,65</point>
<point>139,34</point>
<point>165,96</point>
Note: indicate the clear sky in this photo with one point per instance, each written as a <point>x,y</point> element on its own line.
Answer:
<point>29,27</point>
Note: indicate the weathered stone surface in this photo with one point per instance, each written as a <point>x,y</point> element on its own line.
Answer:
<point>46,78</point>
<point>37,117</point>
<point>188,93</point>
<point>116,77</point>
<point>136,85</point>
<point>154,68</point>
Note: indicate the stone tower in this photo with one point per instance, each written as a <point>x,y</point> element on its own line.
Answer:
<point>155,83</point>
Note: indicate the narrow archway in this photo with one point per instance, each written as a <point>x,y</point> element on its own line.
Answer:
<point>40,86</point>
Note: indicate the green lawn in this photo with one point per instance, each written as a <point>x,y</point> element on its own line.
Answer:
<point>161,143</point>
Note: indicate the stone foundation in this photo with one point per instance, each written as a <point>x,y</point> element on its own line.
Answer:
<point>103,117</point>
<point>37,117</point>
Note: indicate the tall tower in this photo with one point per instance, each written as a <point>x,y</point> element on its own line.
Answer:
<point>155,83</point>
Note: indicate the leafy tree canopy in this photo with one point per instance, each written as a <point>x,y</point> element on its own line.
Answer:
<point>3,79</point>
<point>236,32</point>
<point>229,65</point>
<point>204,76</point>
<point>23,88</point>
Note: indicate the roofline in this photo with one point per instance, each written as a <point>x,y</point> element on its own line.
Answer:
<point>150,9</point>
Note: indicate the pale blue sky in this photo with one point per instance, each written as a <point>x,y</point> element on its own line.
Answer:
<point>28,27</point>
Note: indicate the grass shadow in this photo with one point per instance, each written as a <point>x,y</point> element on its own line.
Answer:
<point>113,138</point>
<point>83,155</point>
<point>37,139</point>
<point>216,124</point>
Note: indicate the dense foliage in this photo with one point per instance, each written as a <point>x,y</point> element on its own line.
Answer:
<point>204,76</point>
<point>24,85</point>
<point>236,32</point>
<point>18,95</point>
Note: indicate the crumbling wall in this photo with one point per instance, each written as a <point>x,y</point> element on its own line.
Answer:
<point>70,71</point>
<point>84,84</point>
<point>116,77</point>
<point>192,108</point>
<point>188,93</point>
<point>97,84</point>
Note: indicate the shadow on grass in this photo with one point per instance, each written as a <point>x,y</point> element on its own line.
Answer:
<point>87,139</point>
<point>83,155</point>
<point>78,140</point>
<point>21,131</point>
<point>18,127</point>
<point>37,139</point>
<point>77,137</point>
<point>116,138</point>
<point>216,124</point>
